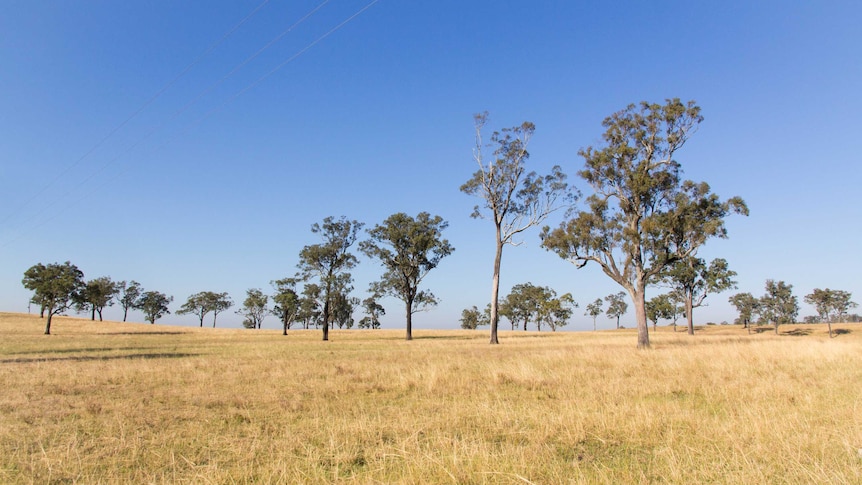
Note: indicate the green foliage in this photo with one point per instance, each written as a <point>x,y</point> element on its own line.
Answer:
<point>286,302</point>
<point>154,305</point>
<point>472,318</point>
<point>617,306</point>
<point>594,309</point>
<point>329,261</point>
<point>54,287</point>
<point>373,312</point>
<point>128,295</point>
<point>661,307</point>
<point>254,308</point>
<point>779,305</point>
<point>95,295</point>
<point>205,302</point>
<point>693,280</point>
<point>831,305</point>
<point>530,303</point>
<point>514,198</point>
<point>747,306</point>
<point>641,217</point>
<point>408,248</point>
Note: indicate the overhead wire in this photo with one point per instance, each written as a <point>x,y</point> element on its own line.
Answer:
<point>147,103</point>
<point>205,116</point>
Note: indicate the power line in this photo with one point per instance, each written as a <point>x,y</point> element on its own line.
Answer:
<point>202,118</point>
<point>134,114</point>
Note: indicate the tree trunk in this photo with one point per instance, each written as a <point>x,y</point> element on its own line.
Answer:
<point>618,322</point>
<point>688,313</point>
<point>594,324</point>
<point>639,298</point>
<point>409,306</point>
<point>48,325</point>
<point>100,315</point>
<point>326,319</point>
<point>495,288</point>
<point>828,322</point>
<point>776,327</point>
<point>125,313</point>
<point>93,313</point>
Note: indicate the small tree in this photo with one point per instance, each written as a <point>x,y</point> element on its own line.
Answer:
<point>218,302</point>
<point>286,302</point>
<point>692,279</point>
<point>594,309</point>
<point>472,318</point>
<point>128,295</point>
<point>515,199</point>
<point>779,305</point>
<point>556,312</point>
<point>254,308</point>
<point>659,307</point>
<point>197,304</point>
<point>617,306</point>
<point>373,312</point>
<point>329,261</point>
<point>831,305</point>
<point>95,295</point>
<point>54,286</point>
<point>154,305</point>
<point>409,249</point>
<point>747,306</point>
<point>309,307</point>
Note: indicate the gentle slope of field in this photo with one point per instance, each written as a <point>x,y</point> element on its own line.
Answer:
<point>113,402</point>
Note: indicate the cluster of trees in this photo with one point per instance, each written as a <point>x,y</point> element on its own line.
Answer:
<point>526,303</point>
<point>407,247</point>
<point>642,225</point>
<point>779,306</point>
<point>59,287</point>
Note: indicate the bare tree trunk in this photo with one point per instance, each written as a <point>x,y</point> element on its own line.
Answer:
<point>776,327</point>
<point>495,288</point>
<point>688,313</point>
<point>48,325</point>
<point>409,305</point>
<point>639,298</point>
<point>125,313</point>
<point>326,319</point>
<point>93,313</point>
<point>829,322</point>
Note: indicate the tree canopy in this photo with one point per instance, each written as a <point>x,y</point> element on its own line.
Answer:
<point>154,305</point>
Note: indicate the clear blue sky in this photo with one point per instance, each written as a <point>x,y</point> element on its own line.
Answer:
<point>215,183</point>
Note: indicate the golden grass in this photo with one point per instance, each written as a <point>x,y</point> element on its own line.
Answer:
<point>107,402</point>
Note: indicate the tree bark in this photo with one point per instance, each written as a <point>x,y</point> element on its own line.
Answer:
<point>495,288</point>
<point>829,323</point>
<point>409,305</point>
<point>326,319</point>
<point>48,325</point>
<point>93,313</point>
<point>639,298</point>
<point>689,306</point>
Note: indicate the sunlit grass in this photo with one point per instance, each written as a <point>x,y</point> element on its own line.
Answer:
<point>113,402</point>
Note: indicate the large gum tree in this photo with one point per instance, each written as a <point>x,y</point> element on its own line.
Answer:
<point>514,199</point>
<point>641,217</point>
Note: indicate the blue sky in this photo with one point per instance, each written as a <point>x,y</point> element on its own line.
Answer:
<point>214,184</point>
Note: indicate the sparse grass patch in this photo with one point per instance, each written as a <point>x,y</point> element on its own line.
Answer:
<point>112,402</point>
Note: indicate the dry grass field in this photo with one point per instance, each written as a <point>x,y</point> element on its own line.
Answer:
<point>108,402</point>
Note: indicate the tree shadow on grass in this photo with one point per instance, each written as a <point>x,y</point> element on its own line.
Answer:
<point>841,331</point>
<point>799,332</point>
<point>88,358</point>
<point>165,332</point>
<point>89,349</point>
